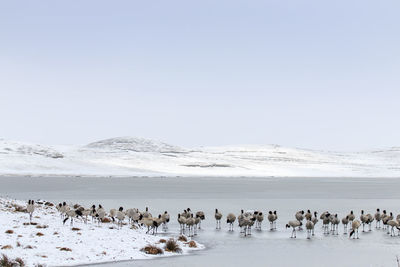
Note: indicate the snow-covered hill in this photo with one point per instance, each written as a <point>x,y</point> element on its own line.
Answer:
<point>128,156</point>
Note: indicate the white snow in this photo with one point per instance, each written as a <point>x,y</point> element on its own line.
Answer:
<point>128,156</point>
<point>92,244</point>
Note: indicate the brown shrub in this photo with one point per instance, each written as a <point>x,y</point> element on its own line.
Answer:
<point>172,246</point>
<point>39,234</point>
<point>26,223</point>
<point>105,220</point>
<point>182,238</point>
<point>191,244</point>
<point>42,226</point>
<point>9,232</point>
<point>7,247</point>
<point>7,262</point>
<point>75,229</point>
<point>162,241</point>
<point>20,262</point>
<point>65,249</point>
<point>28,247</point>
<point>151,249</point>
<point>55,233</point>
<point>33,223</point>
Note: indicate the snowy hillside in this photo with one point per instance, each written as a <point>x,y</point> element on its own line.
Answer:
<point>127,156</point>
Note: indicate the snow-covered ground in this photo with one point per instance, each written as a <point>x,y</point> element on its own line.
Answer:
<point>129,156</point>
<point>59,244</point>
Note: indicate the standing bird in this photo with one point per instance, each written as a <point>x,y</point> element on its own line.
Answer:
<point>378,219</point>
<point>351,217</point>
<point>231,218</point>
<point>363,219</point>
<point>30,208</point>
<point>354,228</point>
<point>300,216</point>
<point>260,218</point>
<point>345,222</point>
<point>308,215</point>
<point>120,216</point>
<point>182,223</point>
<point>190,223</point>
<point>393,223</point>
<point>310,228</point>
<point>271,219</point>
<point>165,220</point>
<point>325,223</point>
<point>113,213</point>
<point>293,224</point>
<point>335,224</point>
<point>200,214</point>
<point>218,217</point>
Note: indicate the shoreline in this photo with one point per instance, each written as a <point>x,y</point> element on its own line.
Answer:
<point>47,241</point>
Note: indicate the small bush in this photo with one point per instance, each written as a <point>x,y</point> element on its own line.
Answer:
<point>42,226</point>
<point>172,246</point>
<point>28,247</point>
<point>75,229</point>
<point>33,223</point>
<point>7,262</point>
<point>191,244</point>
<point>65,249</point>
<point>105,220</point>
<point>39,234</point>
<point>162,241</point>
<point>55,233</point>
<point>26,223</point>
<point>7,247</point>
<point>153,250</point>
<point>20,261</point>
<point>9,232</point>
<point>182,238</point>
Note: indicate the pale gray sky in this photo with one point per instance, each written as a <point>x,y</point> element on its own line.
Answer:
<point>314,74</point>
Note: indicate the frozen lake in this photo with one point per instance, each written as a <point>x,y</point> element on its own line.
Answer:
<point>262,248</point>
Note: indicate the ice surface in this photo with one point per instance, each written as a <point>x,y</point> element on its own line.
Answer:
<point>262,248</point>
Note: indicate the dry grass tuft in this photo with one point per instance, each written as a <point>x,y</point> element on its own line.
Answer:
<point>28,247</point>
<point>153,250</point>
<point>191,244</point>
<point>172,246</point>
<point>182,238</point>
<point>65,249</point>
<point>39,234</point>
<point>162,241</point>
<point>55,233</point>
<point>105,220</point>
<point>9,232</point>
<point>7,247</point>
<point>7,262</point>
<point>75,229</point>
<point>18,244</point>
<point>20,262</point>
<point>42,226</point>
<point>49,204</point>
<point>33,223</point>
<point>26,223</point>
<point>18,208</point>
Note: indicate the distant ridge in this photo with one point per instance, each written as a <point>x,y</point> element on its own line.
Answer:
<point>132,156</point>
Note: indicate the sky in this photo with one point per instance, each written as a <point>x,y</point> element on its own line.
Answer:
<point>311,74</point>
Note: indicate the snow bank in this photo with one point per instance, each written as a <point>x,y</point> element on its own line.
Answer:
<point>128,156</point>
<point>49,242</point>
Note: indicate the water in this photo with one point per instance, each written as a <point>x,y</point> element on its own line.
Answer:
<point>262,248</point>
